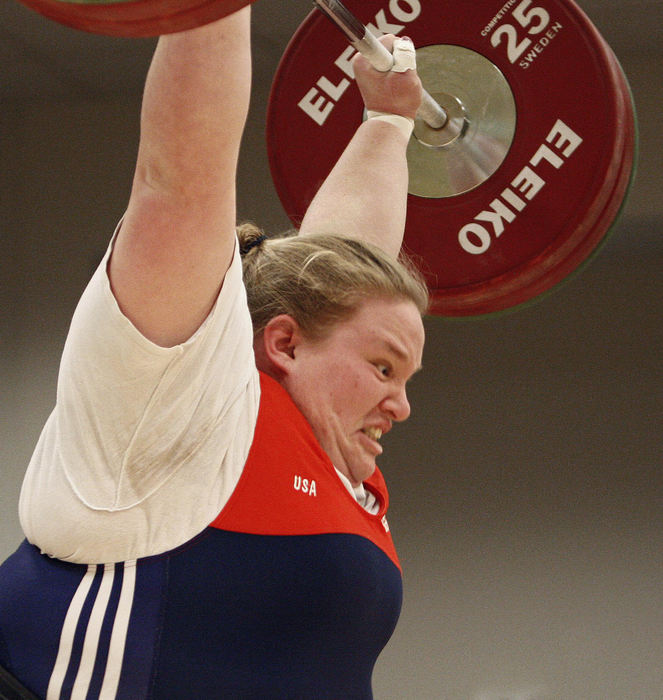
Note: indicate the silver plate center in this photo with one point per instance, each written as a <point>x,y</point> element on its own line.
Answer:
<point>479,132</point>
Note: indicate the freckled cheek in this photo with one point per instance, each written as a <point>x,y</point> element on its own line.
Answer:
<point>346,394</point>
<point>361,397</point>
<point>354,383</point>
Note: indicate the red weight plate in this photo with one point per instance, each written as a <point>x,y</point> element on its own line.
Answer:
<point>560,72</point>
<point>565,256</point>
<point>135,18</point>
<point>626,175</point>
<point>585,232</point>
<point>626,172</point>
<point>550,272</point>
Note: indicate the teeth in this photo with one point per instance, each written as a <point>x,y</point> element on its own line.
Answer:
<point>373,433</point>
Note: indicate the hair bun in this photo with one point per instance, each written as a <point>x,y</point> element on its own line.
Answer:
<point>246,246</point>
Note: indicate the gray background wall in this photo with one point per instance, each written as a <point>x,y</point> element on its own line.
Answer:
<point>526,489</point>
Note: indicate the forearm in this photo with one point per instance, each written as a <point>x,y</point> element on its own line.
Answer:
<point>365,195</point>
<point>194,108</point>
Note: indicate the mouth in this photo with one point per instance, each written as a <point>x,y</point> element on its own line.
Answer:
<point>373,433</point>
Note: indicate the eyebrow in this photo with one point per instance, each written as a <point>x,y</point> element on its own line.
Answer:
<point>400,353</point>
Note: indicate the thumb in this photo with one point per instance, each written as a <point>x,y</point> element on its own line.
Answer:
<point>405,57</point>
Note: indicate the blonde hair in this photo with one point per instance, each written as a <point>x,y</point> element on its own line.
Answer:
<point>320,279</point>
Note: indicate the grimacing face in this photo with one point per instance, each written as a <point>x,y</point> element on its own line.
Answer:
<point>351,384</point>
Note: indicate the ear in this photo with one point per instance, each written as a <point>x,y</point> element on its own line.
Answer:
<point>275,346</point>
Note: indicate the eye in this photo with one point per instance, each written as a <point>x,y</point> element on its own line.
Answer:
<point>383,368</point>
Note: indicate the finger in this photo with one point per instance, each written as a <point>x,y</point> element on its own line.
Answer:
<point>375,52</point>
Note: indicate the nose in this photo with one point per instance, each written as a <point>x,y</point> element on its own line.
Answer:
<point>397,405</point>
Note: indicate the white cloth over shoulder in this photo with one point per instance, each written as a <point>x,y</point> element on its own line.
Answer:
<point>145,444</point>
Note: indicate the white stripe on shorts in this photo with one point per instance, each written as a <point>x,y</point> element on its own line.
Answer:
<point>93,633</point>
<point>67,636</point>
<point>119,636</point>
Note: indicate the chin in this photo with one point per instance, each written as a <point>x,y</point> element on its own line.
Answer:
<point>361,474</point>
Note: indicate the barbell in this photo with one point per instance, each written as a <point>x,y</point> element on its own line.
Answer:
<point>515,184</point>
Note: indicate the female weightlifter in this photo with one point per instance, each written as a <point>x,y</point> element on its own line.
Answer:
<point>203,513</point>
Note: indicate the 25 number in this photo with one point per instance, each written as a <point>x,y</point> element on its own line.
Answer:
<point>534,19</point>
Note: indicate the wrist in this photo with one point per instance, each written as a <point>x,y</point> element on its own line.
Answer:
<point>404,124</point>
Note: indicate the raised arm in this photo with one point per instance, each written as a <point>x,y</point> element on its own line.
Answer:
<point>365,195</point>
<point>178,235</point>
